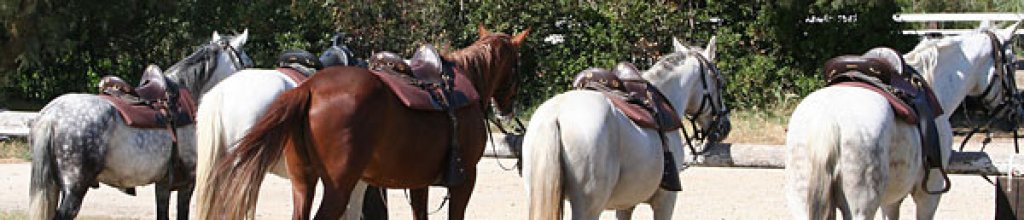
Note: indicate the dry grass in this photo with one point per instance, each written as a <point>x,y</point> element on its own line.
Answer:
<point>14,150</point>
<point>6,215</point>
<point>759,126</point>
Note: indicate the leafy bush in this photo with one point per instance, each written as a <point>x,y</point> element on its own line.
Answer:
<point>768,50</point>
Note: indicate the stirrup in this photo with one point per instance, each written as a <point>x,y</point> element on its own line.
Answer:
<point>670,176</point>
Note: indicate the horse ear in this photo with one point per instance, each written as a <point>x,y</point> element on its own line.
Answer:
<point>518,39</point>
<point>709,50</point>
<point>679,47</point>
<point>154,69</point>
<point>1008,33</point>
<point>240,40</point>
<point>984,25</point>
<point>216,37</point>
<point>481,30</point>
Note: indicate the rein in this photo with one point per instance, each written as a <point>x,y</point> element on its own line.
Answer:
<point>719,111</point>
<point>1010,97</point>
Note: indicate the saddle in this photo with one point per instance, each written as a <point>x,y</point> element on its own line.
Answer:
<point>643,103</point>
<point>298,64</point>
<point>884,71</point>
<point>426,82</point>
<point>155,103</point>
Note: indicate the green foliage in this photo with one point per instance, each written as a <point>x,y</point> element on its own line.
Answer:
<point>767,49</point>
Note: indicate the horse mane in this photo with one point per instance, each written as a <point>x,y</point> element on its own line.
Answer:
<point>665,64</point>
<point>925,55</point>
<point>477,59</point>
<point>195,68</point>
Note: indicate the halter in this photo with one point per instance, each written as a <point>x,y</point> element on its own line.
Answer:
<point>719,111</point>
<point>1005,105</point>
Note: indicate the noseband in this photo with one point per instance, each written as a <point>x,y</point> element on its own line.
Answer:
<point>1003,106</point>
<point>718,110</point>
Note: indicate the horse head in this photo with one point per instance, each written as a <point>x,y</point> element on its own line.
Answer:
<point>690,79</point>
<point>1000,98</point>
<point>491,63</point>
<point>211,63</point>
<point>977,68</point>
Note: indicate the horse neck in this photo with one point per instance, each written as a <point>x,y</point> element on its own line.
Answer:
<point>194,77</point>
<point>950,72</point>
<point>476,67</point>
<point>680,84</point>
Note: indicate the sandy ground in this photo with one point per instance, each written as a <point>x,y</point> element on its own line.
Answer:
<point>709,193</point>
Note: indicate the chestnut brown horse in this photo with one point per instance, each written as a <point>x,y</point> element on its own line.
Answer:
<point>344,124</point>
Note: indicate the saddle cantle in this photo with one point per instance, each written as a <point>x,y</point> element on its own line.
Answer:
<point>643,103</point>
<point>298,64</point>
<point>884,71</point>
<point>420,83</point>
<point>155,103</point>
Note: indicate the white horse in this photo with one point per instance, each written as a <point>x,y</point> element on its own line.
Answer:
<point>80,140</point>
<point>579,147</point>
<point>233,106</point>
<point>846,151</point>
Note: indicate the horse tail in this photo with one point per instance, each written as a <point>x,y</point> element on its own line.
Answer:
<point>237,177</point>
<point>543,167</point>
<point>43,190</point>
<point>823,153</point>
<point>209,148</point>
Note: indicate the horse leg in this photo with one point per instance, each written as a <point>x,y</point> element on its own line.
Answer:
<point>184,201</point>
<point>71,201</point>
<point>335,201</point>
<point>927,203</point>
<point>892,211</point>
<point>859,196</point>
<point>375,203</point>
<point>304,182</point>
<point>355,203</point>
<point>418,201</point>
<point>461,194</point>
<point>663,203</point>
<point>163,197</point>
<point>625,214</point>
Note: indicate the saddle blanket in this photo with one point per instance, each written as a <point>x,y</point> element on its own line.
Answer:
<point>419,98</point>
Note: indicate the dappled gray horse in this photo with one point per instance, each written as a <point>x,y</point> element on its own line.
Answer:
<point>80,140</point>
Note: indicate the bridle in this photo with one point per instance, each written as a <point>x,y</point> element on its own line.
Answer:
<point>718,110</point>
<point>998,106</point>
<point>494,115</point>
<point>235,55</point>
<point>210,65</point>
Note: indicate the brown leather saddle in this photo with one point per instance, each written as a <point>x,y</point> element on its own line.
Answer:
<point>155,103</point>
<point>426,82</point>
<point>643,103</point>
<point>884,71</point>
<point>298,64</point>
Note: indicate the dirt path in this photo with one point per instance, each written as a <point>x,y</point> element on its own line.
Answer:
<point>708,193</point>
